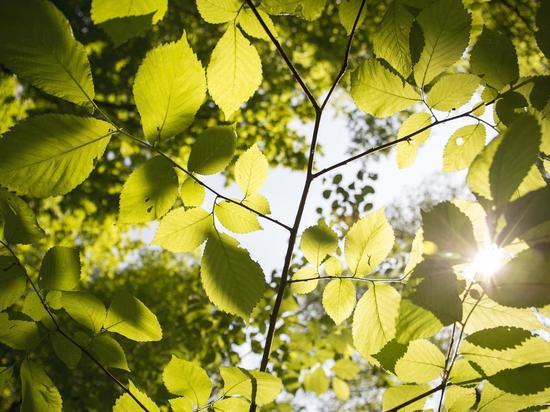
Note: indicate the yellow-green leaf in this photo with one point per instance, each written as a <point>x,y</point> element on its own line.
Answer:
<point>406,151</point>
<point>251,25</point>
<point>263,387</point>
<point>305,286</point>
<point>422,362</point>
<point>38,391</point>
<point>183,230</point>
<point>236,218</point>
<point>399,394</point>
<point>213,150</point>
<point>125,403</point>
<point>192,193</point>
<point>463,146</point>
<point>317,242</point>
<point>452,91</point>
<point>339,299</point>
<point>218,11</point>
<point>60,269</point>
<point>187,379</point>
<point>251,170</point>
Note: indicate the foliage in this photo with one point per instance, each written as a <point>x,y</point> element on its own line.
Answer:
<point>476,276</point>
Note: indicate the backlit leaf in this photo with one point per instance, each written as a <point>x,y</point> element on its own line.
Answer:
<point>317,242</point>
<point>187,379</point>
<point>339,299</point>
<point>218,11</point>
<point>60,269</point>
<point>65,350</point>
<point>452,91</point>
<point>263,387</point>
<point>406,151</point>
<point>125,403</point>
<point>109,352</point>
<point>18,220</point>
<point>347,12</point>
<point>38,391</point>
<point>84,308</point>
<point>305,286</point>
<point>316,381</point>
<point>236,218</point>
<point>183,230</point>
<point>463,146</point>
<point>251,170</point>
<point>399,394</point>
<point>422,362</point>
<point>13,281</point>
<point>18,334</point>
<point>213,150</point>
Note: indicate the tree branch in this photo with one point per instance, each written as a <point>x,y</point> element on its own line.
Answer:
<point>285,57</point>
<point>397,280</point>
<point>418,397</point>
<point>67,336</point>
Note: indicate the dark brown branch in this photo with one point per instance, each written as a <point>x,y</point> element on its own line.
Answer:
<point>285,57</point>
<point>410,135</point>
<point>418,397</point>
<point>67,336</point>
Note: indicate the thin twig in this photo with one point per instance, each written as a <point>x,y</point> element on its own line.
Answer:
<point>372,280</point>
<point>67,336</point>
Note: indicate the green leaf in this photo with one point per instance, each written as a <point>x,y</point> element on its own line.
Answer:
<point>433,286</point>
<point>523,282</point>
<point>346,369</point>
<point>458,399</point>
<point>374,319</point>
<point>478,174</point>
<point>18,220</point>
<point>109,352</point>
<point>316,381</point>
<point>509,107</point>
<point>125,403</point>
<point>218,11</point>
<point>307,286</point>
<point>406,151</point>
<point>390,354</point>
<point>236,218</point>
<point>213,150</point>
<point>415,322</point>
<point>251,25</point>
<point>192,193</point>
<point>262,386</point>
<point>463,146</point>
<point>399,394</point>
<point>494,59</point>
<point>317,242</point>
<point>181,405</point>
<point>84,308</point>
<point>65,350</point>
<point>183,230</point>
<point>391,40</point>
<point>450,230</point>
<point>446,28</point>
<point>494,400</point>
<point>347,13</point>
<point>422,362</point>
<point>38,391</point>
<point>543,33</point>
<point>234,72</point>
<point>39,46</point>
<point>499,338</point>
<point>379,92</point>
<point>169,88</point>
<point>333,266</point>
<point>341,389</point>
<point>251,170</point>
<point>232,280</point>
<point>149,192</point>
<point>122,29</point>
<point>51,154</point>
<point>231,405</point>
<point>514,157</point>
<point>368,243</point>
<point>339,299</point>
<point>525,380</point>
<point>13,281</point>
<point>129,317</point>
<point>452,91</point>
<point>18,334</point>
<point>187,379</point>
<point>60,269</point>
<point>312,9</point>
<point>34,309</point>
<point>258,202</point>
<point>104,10</point>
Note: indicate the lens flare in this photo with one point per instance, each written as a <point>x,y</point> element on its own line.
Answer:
<point>487,262</point>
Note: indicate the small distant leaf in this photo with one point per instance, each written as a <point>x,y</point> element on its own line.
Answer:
<point>236,218</point>
<point>18,219</point>
<point>218,11</point>
<point>379,92</point>
<point>406,151</point>
<point>347,12</point>
<point>463,146</point>
<point>523,282</point>
<point>339,299</point>
<point>18,334</point>
<point>84,308</point>
<point>452,91</point>
<point>129,317</point>
<point>307,286</point>
<point>422,362</point>
<point>514,157</point>
<point>38,391</point>
<point>391,40</point>
<point>341,389</point>
<point>346,369</point>
<point>109,352</point>
<point>525,380</point>
<point>232,280</point>
<point>494,59</point>
<point>213,150</point>
<point>316,381</point>
<point>374,319</point>
<point>169,88</point>
<point>446,28</point>
<point>263,387</point>
<point>251,170</point>
<point>39,46</point>
<point>450,230</point>
<point>60,269</point>
<point>149,192</point>
<point>187,379</point>
<point>51,154</point>
<point>192,194</point>
<point>183,230</point>
<point>317,242</point>
<point>65,350</point>
<point>125,403</point>
<point>251,25</point>
<point>234,72</point>
<point>397,395</point>
<point>13,281</point>
<point>368,243</point>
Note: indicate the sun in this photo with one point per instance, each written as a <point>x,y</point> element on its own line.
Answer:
<point>486,263</point>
